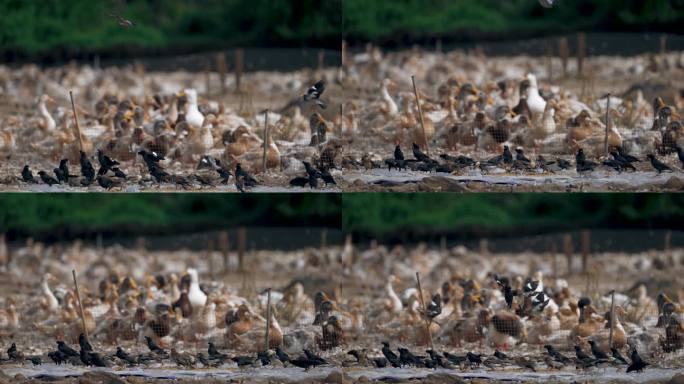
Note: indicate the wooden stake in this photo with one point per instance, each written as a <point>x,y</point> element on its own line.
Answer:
<point>420,113</point>
<point>663,44</point>
<point>549,61</point>
<point>266,141</point>
<point>605,139</point>
<point>585,238</point>
<point>321,59</point>
<point>324,239</point>
<point>612,318</point>
<point>78,128</point>
<point>668,239</point>
<point>268,319</point>
<point>242,244</point>
<point>344,55</point>
<point>80,305</point>
<point>224,244</point>
<point>568,250</point>
<point>564,53</point>
<point>341,126</point>
<point>222,68</point>
<point>239,67</point>
<point>424,308</point>
<point>581,48</point>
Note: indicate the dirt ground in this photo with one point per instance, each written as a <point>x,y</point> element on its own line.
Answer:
<point>355,277</point>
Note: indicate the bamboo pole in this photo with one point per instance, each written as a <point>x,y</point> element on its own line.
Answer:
<point>266,140</point>
<point>424,308</point>
<point>420,114</point>
<point>222,67</point>
<point>564,53</point>
<point>78,127</point>
<point>612,318</point>
<point>80,304</point>
<point>605,139</point>
<point>581,52</point>
<point>239,67</point>
<point>242,243</point>
<point>268,320</point>
<point>585,237</point>
<point>341,126</point>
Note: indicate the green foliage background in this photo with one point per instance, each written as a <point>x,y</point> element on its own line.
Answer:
<point>29,214</point>
<point>387,214</point>
<point>34,26</point>
<point>462,19</point>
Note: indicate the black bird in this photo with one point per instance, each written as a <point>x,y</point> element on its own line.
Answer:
<point>380,362</point>
<point>105,182</point>
<point>60,175</point>
<point>106,163</point>
<point>436,358</point>
<point>243,361</point>
<point>118,173</point>
<point>35,360</point>
<point>153,346</point>
<point>618,357</point>
<point>58,357</point>
<point>310,170</point>
<point>563,164</point>
<point>408,358</point>
<point>508,292</point>
<point>66,350</point>
<point>299,181</point>
<point>159,174</point>
<point>264,358</point>
<point>247,179</point>
<point>225,175</point>
<point>96,360</point>
<point>507,156</point>
<point>281,355</point>
<point>473,358</point>
<point>310,355</point>
<point>150,158</point>
<point>581,356</point>
<point>327,177</point>
<point>47,179</point>
<point>12,352</point>
<point>419,155</point>
<point>629,158</point>
<point>637,365</point>
<point>83,342</point>
<point>556,355</point>
<point>206,162</point>
<point>314,93</point>
<point>597,352</point>
<point>520,156</point>
<point>390,356</point>
<point>214,353</point>
<point>125,357</point>
<point>64,167</point>
<point>434,308</point>
<point>454,358</point>
<point>27,175</point>
<point>658,165</point>
<point>313,181</point>
<point>398,154</point>
<point>500,355</point>
<point>580,157</point>
<point>87,170</point>
<point>616,165</point>
<point>624,163</point>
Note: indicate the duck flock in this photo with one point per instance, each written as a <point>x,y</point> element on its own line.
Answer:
<point>339,307</point>
<point>142,130</point>
<point>476,110</point>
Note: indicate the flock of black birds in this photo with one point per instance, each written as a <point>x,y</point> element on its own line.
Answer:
<point>110,175</point>
<point>312,176</point>
<point>64,354</point>
<point>621,161</point>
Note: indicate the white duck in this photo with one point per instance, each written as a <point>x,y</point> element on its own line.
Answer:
<point>390,107</point>
<point>49,301</point>
<point>393,303</point>
<point>534,101</point>
<point>193,116</point>
<point>195,295</point>
<point>48,123</point>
